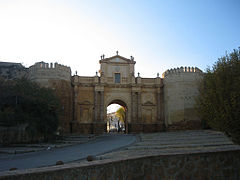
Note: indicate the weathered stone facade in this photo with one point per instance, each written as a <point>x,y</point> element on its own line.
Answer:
<point>152,104</point>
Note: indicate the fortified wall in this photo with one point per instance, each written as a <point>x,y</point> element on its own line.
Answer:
<point>151,104</point>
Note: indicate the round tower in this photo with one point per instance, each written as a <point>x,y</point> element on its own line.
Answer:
<point>57,77</point>
<point>180,92</point>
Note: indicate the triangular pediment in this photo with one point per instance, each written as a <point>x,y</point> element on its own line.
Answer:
<point>117,59</point>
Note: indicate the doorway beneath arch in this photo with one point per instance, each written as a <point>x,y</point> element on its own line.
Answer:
<point>116,117</point>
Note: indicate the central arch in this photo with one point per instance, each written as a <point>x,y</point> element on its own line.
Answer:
<point>126,108</point>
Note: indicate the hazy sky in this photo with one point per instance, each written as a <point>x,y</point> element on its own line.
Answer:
<point>160,34</point>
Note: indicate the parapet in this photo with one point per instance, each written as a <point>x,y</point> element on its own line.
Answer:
<point>42,70</point>
<point>42,65</point>
<point>181,70</point>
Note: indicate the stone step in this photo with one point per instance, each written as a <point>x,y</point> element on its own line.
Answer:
<point>178,146</point>
<point>183,137</point>
<point>187,133</point>
<point>165,142</point>
<point>72,142</point>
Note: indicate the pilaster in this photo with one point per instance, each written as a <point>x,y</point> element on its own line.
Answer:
<point>102,106</point>
<point>75,102</point>
<point>158,105</point>
<point>95,106</point>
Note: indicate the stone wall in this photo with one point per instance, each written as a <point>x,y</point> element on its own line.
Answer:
<point>185,125</point>
<point>145,127</point>
<point>211,165</point>
<point>63,90</point>
<point>16,134</point>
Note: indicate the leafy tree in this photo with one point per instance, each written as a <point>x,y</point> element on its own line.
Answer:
<point>121,114</point>
<point>219,101</point>
<point>25,102</point>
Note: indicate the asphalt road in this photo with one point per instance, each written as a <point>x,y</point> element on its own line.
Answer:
<point>100,145</point>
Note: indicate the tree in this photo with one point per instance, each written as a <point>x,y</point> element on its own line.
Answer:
<point>25,102</point>
<point>219,100</point>
<point>121,114</point>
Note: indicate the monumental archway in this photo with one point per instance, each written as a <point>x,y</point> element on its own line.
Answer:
<point>116,83</point>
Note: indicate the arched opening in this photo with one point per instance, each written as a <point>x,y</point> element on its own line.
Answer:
<point>116,117</point>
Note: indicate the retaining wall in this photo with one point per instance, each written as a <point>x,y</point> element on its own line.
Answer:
<point>210,165</point>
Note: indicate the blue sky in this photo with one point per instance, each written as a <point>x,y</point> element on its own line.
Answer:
<point>159,34</point>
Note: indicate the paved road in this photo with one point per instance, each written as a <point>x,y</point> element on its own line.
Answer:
<point>100,145</point>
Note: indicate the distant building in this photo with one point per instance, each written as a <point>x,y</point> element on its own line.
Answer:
<point>12,70</point>
<point>114,123</point>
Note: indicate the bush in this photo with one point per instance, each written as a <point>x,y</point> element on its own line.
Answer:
<point>25,102</point>
<point>219,101</point>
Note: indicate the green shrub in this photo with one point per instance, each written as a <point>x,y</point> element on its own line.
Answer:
<point>219,101</point>
<point>25,102</point>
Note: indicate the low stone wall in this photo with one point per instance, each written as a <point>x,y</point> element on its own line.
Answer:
<point>185,125</point>
<point>210,165</point>
<point>89,128</point>
<point>145,128</point>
